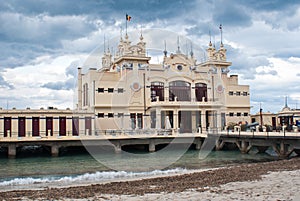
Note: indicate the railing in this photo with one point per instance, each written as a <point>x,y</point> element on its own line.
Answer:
<point>193,101</point>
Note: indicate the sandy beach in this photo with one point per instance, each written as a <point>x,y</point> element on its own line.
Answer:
<point>276,180</point>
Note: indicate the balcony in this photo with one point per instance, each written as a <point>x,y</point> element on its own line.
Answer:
<point>193,102</point>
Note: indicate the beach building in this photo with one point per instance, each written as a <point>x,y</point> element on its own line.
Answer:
<point>129,93</point>
<point>287,117</point>
<point>44,122</point>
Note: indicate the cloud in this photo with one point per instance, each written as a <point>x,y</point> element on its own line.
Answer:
<point>43,28</point>
<point>40,39</point>
<point>231,15</point>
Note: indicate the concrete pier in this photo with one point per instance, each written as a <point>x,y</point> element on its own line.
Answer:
<point>54,150</point>
<point>12,150</point>
<point>243,146</point>
<point>118,148</point>
<point>198,143</point>
<point>151,146</point>
<point>219,144</point>
<point>283,145</point>
<point>283,149</point>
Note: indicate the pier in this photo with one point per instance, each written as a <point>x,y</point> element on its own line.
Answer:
<point>283,143</point>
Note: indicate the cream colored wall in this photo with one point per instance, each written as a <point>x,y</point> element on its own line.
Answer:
<point>42,114</point>
<point>267,118</point>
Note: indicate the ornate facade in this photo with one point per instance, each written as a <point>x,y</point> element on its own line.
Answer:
<point>180,94</point>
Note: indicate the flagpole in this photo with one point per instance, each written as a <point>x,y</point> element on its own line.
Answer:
<point>126,23</point>
<point>221,34</point>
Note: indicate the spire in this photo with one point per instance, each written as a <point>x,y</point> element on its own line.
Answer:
<point>178,47</point>
<point>108,51</point>
<point>141,37</point>
<point>221,31</point>
<point>121,33</point>
<point>192,53</point>
<point>286,104</point>
<point>104,45</point>
<point>214,42</point>
<point>210,44</point>
<point>165,51</point>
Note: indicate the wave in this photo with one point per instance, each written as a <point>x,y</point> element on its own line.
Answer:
<point>89,177</point>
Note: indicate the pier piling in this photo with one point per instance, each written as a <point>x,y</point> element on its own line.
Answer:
<point>54,150</point>
<point>12,150</point>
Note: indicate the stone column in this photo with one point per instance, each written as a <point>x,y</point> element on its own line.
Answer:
<point>194,123</point>
<point>198,144</point>
<point>54,150</point>
<point>118,148</point>
<point>151,146</point>
<point>79,89</point>
<point>166,92</point>
<point>12,151</point>
<point>203,122</point>
<point>175,119</point>
<point>193,94</point>
<point>219,120</point>
<point>158,118</point>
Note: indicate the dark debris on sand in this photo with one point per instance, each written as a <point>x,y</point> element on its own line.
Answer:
<point>198,180</point>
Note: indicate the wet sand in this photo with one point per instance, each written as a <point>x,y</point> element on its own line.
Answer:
<point>232,183</point>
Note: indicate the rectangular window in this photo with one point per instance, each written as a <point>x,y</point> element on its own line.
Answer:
<point>133,120</point>
<point>120,90</point>
<point>230,93</point>
<point>100,115</point>
<point>238,93</point>
<point>246,114</point>
<point>120,115</point>
<point>231,114</point>
<point>110,90</point>
<point>140,120</point>
<point>110,115</point>
<point>245,93</point>
<point>238,114</point>
<point>100,90</point>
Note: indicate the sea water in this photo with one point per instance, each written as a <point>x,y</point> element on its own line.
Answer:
<point>80,168</point>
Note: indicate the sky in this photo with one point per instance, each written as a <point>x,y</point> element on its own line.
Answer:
<point>43,42</point>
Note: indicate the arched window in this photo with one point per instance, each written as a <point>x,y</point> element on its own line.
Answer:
<point>181,90</point>
<point>201,91</point>
<point>157,89</point>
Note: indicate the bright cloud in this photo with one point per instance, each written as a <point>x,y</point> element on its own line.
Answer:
<point>43,42</point>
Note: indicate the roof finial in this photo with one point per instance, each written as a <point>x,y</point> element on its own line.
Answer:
<point>104,44</point>
<point>141,37</point>
<point>210,44</point>
<point>165,51</point>
<point>121,33</point>
<point>178,47</point>
<point>192,53</point>
<point>214,42</point>
<point>108,51</point>
<point>220,27</point>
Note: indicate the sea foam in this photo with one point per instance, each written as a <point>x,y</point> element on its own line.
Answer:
<point>89,177</point>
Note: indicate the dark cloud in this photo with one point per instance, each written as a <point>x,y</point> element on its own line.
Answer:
<point>18,54</point>
<point>270,5</point>
<point>70,83</point>
<point>61,85</point>
<point>231,15</point>
<point>43,29</point>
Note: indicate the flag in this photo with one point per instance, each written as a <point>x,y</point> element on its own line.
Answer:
<point>128,17</point>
